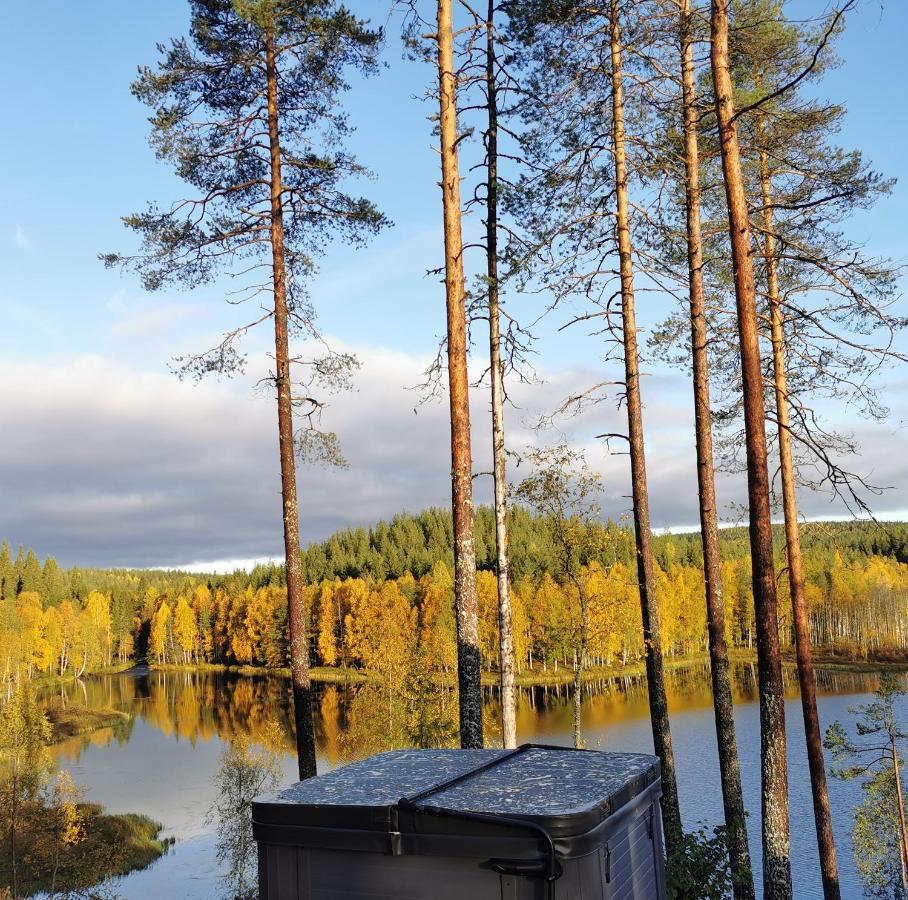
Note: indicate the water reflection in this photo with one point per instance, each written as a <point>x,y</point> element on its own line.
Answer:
<point>162,763</point>
<point>356,720</point>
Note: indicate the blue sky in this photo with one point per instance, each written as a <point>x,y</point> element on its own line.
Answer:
<point>107,459</point>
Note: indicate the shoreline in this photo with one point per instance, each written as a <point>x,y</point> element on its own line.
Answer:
<point>563,676</point>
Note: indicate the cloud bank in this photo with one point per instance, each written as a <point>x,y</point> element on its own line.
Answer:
<point>105,464</point>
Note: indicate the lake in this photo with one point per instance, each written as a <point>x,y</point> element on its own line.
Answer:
<point>163,762</point>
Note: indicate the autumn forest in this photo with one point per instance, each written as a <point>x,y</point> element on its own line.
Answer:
<point>382,601</point>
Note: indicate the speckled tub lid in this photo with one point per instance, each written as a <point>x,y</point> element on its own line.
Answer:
<point>564,790</point>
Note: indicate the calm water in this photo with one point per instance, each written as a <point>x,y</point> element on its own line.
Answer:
<point>163,762</point>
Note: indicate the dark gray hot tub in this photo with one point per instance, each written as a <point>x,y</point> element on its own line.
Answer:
<point>536,822</point>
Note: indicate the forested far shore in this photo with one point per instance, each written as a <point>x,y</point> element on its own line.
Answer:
<point>381,599</point>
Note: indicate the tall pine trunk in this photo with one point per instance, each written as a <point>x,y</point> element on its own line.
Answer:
<point>296,611</point>
<point>729,764</point>
<point>655,676</point>
<point>496,374</point>
<point>822,812</point>
<point>468,658</point>
<point>773,761</point>
<point>900,803</point>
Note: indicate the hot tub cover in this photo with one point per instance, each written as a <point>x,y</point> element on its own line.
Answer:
<point>561,790</point>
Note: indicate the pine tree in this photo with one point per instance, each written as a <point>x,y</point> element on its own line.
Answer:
<point>576,206</point>
<point>881,827</point>
<point>267,162</point>
<point>729,765</point>
<point>824,301</point>
<point>468,661</point>
<point>639,487</point>
<point>773,760</point>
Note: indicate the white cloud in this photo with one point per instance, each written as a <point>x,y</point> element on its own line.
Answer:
<point>104,464</point>
<point>22,239</point>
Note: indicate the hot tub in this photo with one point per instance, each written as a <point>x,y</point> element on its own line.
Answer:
<point>535,822</point>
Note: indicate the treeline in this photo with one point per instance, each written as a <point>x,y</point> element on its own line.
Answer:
<point>382,599</point>
<point>414,543</point>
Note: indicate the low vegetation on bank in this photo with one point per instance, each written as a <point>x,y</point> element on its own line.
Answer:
<point>74,846</point>
<point>54,841</point>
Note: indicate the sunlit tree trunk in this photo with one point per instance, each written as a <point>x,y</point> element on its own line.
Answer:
<point>296,612</point>
<point>804,650</point>
<point>729,764</point>
<point>903,825</point>
<point>774,770</point>
<point>468,656</point>
<point>655,675</point>
<point>496,374</point>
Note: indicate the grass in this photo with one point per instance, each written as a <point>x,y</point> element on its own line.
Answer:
<point>828,660</point>
<point>137,838</point>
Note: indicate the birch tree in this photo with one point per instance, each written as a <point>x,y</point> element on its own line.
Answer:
<point>564,493</point>
<point>496,378</point>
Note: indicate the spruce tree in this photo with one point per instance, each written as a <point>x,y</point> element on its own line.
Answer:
<point>7,576</point>
<point>31,577</point>
<point>54,582</point>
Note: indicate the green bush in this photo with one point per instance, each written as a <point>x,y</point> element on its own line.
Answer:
<point>699,867</point>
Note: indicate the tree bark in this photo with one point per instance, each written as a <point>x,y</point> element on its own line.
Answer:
<point>296,612</point>
<point>723,706</point>
<point>773,761</point>
<point>468,657</point>
<point>817,764</point>
<point>655,676</point>
<point>900,800</point>
<point>496,374</point>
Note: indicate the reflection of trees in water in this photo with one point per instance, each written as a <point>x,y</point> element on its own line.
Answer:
<point>546,709</point>
<point>418,712</point>
<point>416,709</point>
